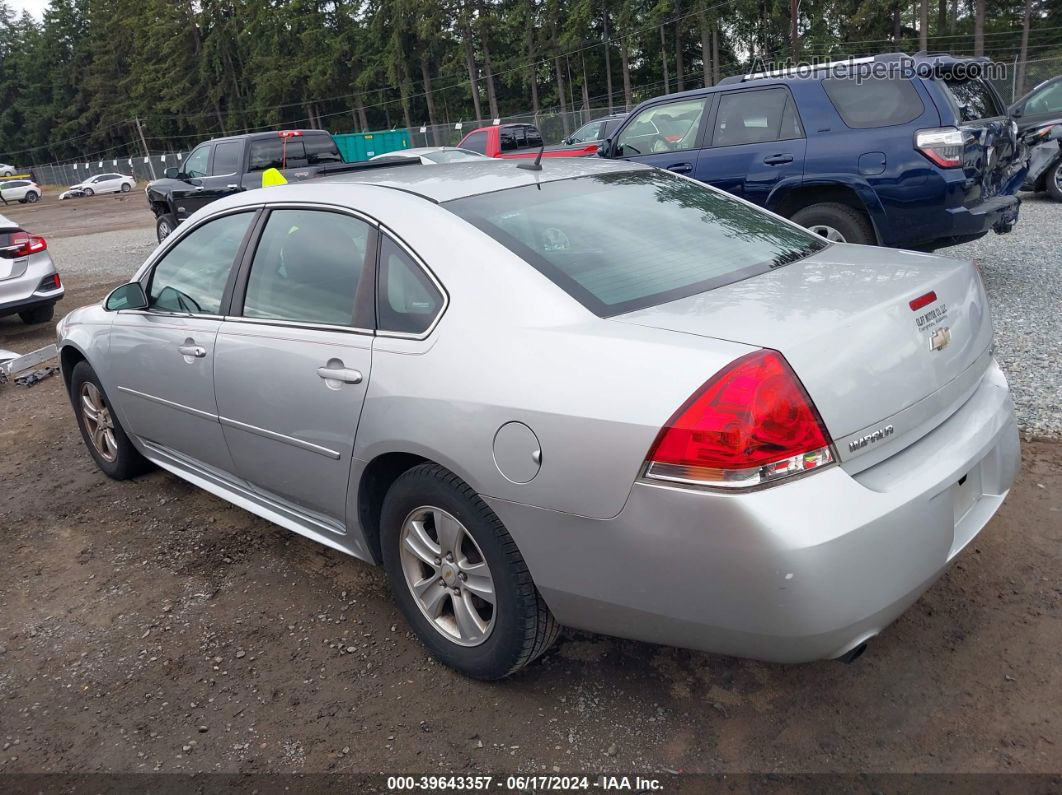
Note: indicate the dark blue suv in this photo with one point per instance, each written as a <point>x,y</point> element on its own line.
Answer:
<point>895,150</point>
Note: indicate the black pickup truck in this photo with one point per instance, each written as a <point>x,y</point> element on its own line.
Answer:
<point>228,165</point>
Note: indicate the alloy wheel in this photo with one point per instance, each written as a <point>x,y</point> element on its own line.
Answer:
<point>448,576</point>
<point>828,232</point>
<point>98,422</point>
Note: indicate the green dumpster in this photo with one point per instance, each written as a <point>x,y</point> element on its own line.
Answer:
<point>358,147</point>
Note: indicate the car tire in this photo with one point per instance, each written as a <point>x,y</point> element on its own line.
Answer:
<point>32,197</point>
<point>108,445</point>
<point>1053,182</point>
<point>39,314</point>
<point>502,637</point>
<point>125,187</point>
<point>837,222</point>
<point>89,192</point>
<point>164,226</point>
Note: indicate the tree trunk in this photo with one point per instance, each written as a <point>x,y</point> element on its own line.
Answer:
<point>406,83</point>
<point>680,67</point>
<point>706,46</point>
<point>470,62</point>
<point>923,25</point>
<point>716,67</point>
<point>663,59</point>
<point>625,65</point>
<point>897,24</point>
<point>586,91</point>
<point>794,32</point>
<point>1019,81</point>
<point>359,112</point>
<point>560,78</point>
<point>979,27</point>
<point>531,76</point>
<point>942,16</point>
<point>608,63</point>
<point>954,18</point>
<point>425,76</point>
<point>488,73</point>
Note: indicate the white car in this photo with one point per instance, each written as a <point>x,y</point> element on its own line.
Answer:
<point>104,183</point>
<point>433,155</point>
<point>20,190</point>
<point>7,170</point>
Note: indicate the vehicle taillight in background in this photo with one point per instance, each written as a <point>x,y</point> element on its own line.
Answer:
<point>751,424</point>
<point>943,146</point>
<point>22,245</point>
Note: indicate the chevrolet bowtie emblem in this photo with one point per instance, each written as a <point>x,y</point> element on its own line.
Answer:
<point>940,339</point>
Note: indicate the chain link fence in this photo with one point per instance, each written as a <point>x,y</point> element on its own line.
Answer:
<point>73,172</point>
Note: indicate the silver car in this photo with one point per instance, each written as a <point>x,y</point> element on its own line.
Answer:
<point>29,283</point>
<point>595,394</point>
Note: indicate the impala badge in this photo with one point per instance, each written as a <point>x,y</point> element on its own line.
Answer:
<point>940,339</point>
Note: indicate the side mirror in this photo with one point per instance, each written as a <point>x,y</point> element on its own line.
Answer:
<point>128,296</point>
<point>1016,111</point>
<point>172,173</point>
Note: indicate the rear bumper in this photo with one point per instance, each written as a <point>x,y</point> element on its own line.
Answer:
<point>21,293</point>
<point>998,214</point>
<point>803,571</point>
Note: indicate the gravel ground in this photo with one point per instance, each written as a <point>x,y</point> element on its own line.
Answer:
<point>104,255</point>
<point>1023,275</point>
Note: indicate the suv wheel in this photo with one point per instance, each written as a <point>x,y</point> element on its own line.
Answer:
<point>1053,182</point>
<point>104,436</point>
<point>125,187</point>
<point>39,314</point>
<point>458,577</point>
<point>32,197</point>
<point>837,222</point>
<point>164,226</point>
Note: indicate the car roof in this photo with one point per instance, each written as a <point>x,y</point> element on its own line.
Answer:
<point>448,181</point>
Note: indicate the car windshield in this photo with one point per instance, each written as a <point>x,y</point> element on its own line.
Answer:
<point>450,156</point>
<point>623,241</point>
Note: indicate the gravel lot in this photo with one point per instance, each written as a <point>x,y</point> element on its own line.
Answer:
<point>1023,275</point>
<point>146,626</point>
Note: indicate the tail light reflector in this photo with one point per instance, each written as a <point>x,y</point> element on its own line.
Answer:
<point>943,146</point>
<point>22,245</point>
<point>923,300</point>
<point>750,424</point>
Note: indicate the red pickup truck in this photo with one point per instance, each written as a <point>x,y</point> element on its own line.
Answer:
<point>518,141</point>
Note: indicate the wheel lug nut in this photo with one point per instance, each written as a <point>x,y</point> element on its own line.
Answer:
<point>450,556</point>
<point>438,562</point>
<point>463,576</point>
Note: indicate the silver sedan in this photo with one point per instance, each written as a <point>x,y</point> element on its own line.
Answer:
<point>595,394</point>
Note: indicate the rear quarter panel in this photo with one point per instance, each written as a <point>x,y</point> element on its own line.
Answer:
<point>906,200</point>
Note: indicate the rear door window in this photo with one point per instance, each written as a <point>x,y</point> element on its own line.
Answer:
<point>973,100</point>
<point>307,268</point>
<point>754,117</point>
<point>874,102</point>
<point>226,159</point>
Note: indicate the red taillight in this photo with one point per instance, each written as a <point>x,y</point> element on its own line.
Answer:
<point>752,423</point>
<point>22,245</point>
<point>943,146</point>
<point>923,300</point>
<point>289,133</point>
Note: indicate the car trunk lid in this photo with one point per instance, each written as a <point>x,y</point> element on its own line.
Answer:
<point>10,267</point>
<point>876,368</point>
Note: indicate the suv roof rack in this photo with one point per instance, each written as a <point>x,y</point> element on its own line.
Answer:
<point>793,70</point>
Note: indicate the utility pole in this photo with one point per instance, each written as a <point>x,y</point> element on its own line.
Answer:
<point>794,33</point>
<point>143,144</point>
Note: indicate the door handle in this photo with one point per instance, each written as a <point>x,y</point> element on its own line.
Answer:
<point>195,351</point>
<point>778,160</point>
<point>344,374</point>
<point>681,168</point>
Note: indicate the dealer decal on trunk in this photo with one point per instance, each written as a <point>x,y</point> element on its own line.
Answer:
<point>931,322</point>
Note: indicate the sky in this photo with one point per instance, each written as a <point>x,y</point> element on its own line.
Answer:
<point>35,7</point>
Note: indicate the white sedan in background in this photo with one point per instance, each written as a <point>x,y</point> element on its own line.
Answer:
<point>7,170</point>
<point>102,183</point>
<point>433,155</point>
<point>20,190</point>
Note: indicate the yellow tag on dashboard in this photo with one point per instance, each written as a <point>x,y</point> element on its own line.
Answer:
<point>272,177</point>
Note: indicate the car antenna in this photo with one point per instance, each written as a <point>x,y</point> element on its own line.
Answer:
<point>537,165</point>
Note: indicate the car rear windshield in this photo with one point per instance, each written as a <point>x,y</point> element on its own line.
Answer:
<point>874,102</point>
<point>973,99</point>
<point>294,152</point>
<point>623,241</point>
